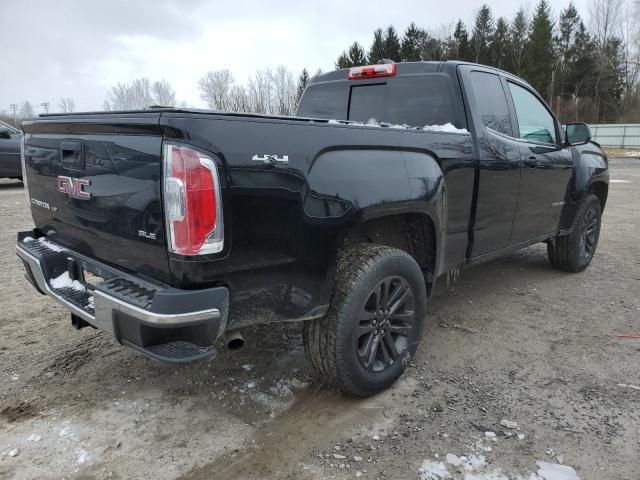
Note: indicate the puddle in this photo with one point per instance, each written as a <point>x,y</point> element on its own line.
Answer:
<point>316,418</point>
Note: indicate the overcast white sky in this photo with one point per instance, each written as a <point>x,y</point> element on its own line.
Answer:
<point>75,48</point>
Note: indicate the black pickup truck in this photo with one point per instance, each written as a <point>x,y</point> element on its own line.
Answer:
<point>173,228</point>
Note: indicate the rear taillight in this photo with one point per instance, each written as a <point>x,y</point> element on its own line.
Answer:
<point>372,71</point>
<point>192,201</point>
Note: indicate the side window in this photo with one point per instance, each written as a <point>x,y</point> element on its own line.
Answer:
<point>534,120</point>
<point>492,102</point>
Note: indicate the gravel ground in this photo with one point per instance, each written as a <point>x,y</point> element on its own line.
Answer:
<point>512,340</point>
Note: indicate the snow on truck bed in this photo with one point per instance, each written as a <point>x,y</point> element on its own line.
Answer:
<point>446,128</point>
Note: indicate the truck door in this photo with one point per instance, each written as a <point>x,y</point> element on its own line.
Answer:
<point>546,170</point>
<point>499,160</point>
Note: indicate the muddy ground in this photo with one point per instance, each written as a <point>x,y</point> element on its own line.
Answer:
<point>512,339</point>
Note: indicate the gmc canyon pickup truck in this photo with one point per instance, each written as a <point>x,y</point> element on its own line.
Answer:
<point>173,228</point>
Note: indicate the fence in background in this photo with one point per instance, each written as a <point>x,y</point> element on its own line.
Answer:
<point>622,135</point>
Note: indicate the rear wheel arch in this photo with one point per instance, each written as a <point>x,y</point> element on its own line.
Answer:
<point>414,233</point>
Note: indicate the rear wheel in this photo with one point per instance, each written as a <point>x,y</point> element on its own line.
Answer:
<point>374,323</point>
<point>574,252</point>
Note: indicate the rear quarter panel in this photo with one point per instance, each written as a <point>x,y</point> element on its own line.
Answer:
<point>285,222</point>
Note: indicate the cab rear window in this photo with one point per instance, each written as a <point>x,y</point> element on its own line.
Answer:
<point>415,101</point>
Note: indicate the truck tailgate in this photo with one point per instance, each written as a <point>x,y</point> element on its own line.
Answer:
<point>94,184</point>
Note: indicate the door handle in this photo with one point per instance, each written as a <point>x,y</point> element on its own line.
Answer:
<point>532,162</point>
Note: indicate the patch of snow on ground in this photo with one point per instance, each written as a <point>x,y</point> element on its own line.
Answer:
<point>433,471</point>
<point>613,180</point>
<point>65,432</point>
<point>453,459</point>
<point>487,476</point>
<point>34,437</point>
<point>553,471</point>
<point>474,466</point>
<point>473,462</point>
<point>632,154</point>
<point>628,385</point>
<point>81,456</point>
<point>64,281</point>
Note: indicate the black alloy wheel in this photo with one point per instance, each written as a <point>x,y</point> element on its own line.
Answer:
<point>385,322</point>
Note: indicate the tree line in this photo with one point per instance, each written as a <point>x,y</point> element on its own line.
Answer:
<point>587,71</point>
<point>270,91</point>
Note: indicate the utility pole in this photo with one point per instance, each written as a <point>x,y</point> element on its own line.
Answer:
<point>14,109</point>
<point>46,106</point>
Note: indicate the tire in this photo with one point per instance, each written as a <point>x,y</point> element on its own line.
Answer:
<point>574,252</point>
<point>339,345</point>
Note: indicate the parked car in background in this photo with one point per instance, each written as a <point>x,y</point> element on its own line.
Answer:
<point>10,138</point>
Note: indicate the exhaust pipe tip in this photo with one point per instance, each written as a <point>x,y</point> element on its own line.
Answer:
<point>233,340</point>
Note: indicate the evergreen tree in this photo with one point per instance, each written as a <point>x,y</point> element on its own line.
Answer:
<point>356,55</point>
<point>391,44</point>
<point>500,45</point>
<point>376,51</point>
<point>461,38</point>
<point>537,69</point>
<point>303,81</point>
<point>518,33</point>
<point>412,42</point>
<point>343,61</point>
<point>482,35</point>
<point>579,78</point>
<point>611,85</point>
<point>433,48</point>
<point>564,47</point>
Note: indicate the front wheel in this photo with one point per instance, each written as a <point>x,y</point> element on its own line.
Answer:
<point>374,323</point>
<point>574,252</point>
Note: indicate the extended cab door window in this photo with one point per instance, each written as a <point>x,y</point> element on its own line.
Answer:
<point>535,123</point>
<point>492,102</point>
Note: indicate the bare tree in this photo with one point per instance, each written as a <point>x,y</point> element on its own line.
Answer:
<point>163,94</point>
<point>26,110</point>
<point>136,95</point>
<point>605,26</point>
<point>215,87</point>
<point>119,98</point>
<point>271,91</point>
<point>631,54</point>
<point>239,99</point>
<point>283,89</point>
<point>140,91</point>
<point>259,88</point>
<point>67,105</point>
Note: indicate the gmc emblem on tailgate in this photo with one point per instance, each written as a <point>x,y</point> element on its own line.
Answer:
<point>74,187</point>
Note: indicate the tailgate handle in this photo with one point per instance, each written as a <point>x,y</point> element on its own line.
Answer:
<point>72,154</point>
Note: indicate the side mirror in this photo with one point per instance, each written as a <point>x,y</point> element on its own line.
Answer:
<point>5,134</point>
<point>578,133</point>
